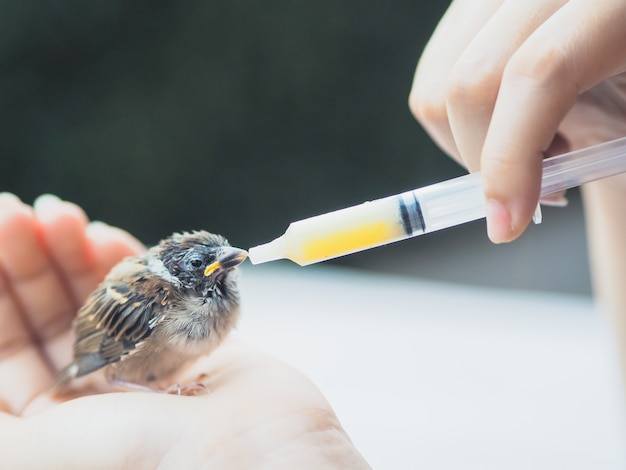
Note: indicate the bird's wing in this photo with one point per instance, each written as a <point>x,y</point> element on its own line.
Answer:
<point>119,315</point>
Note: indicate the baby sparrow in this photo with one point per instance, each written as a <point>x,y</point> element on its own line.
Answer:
<point>156,313</point>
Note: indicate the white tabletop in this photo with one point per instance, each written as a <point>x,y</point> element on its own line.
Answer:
<point>440,376</point>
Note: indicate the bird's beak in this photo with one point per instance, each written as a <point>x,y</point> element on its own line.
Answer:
<point>227,259</point>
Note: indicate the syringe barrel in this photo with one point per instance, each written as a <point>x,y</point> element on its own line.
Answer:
<point>385,220</point>
<point>582,166</point>
<point>446,204</point>
<point>344,231</point>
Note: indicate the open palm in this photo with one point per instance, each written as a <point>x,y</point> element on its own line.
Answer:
<point>258,413</point>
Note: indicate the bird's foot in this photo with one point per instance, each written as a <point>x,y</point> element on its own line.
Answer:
<point>190,390</point>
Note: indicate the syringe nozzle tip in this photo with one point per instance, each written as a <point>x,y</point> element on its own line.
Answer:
<point>268,252</point>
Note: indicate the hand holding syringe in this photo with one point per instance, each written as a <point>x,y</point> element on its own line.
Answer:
<point>426,209</point>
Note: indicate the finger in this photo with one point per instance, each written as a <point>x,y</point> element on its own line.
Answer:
<point>110,245</point>
<point>24,371</point>
<point>576,48</point>
<point>475,78</point>
<point>39,292</point>
<point>427,100</point>
<point>14,334</point>
<point>63,226</point>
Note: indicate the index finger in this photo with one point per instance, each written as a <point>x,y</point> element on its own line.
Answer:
<point>63,227</point>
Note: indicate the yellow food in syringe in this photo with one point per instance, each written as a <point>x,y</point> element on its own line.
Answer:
<point>335,234</point>
<point>376,223</point>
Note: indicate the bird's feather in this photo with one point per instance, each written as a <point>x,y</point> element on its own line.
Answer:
<point>118,316</point>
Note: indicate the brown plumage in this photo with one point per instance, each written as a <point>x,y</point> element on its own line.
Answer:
<point>154,314</point>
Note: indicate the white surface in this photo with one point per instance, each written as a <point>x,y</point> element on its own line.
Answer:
<point>435,376</point>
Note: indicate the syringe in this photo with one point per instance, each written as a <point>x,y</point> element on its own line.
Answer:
<point>425,209</point>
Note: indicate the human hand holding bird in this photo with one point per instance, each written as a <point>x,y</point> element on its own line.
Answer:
<point>256,410</point>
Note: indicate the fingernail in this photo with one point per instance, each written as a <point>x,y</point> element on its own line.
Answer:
<point>46,207</point>
<point>554,200</point>
<point>96,229</point>
<point>499,222</point>
<point>9,197</point>
<point>44,201</point>
<point>98,225</point>
<point>11,205</point>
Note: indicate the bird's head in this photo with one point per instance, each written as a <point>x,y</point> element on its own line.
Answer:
<point>200,260</point>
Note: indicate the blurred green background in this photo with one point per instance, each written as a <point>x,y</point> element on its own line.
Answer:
<point>240,117</point>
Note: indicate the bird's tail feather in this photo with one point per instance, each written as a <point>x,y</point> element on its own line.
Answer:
<point>64,378</point>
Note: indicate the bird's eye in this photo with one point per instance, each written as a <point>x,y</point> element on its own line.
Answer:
<point>196,263</point>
